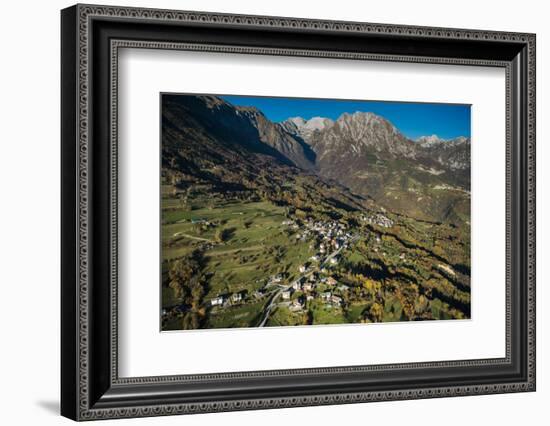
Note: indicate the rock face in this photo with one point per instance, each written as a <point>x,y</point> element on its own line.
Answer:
<point>363,133</point>
<point>306,129</point>
<point>290,146</point>
<point>357,134</point>
<point>353,142</point>
<point>428,178</point>
<point>451,153</point>
<point>248,127</point>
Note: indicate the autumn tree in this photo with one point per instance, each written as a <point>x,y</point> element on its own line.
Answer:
<point>186,280</point>
<point>376,312</point>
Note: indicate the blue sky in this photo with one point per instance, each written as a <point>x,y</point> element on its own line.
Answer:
<point>411,118</point>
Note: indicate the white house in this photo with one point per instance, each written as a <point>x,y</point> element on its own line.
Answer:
<point>309,286</point>
<point>296,305</point>
<point>326,296</point>
<point>337,300</point>
<point>216,301</point>
<point>236,297</point>
<point>302,269</point>
<point>333,260</point>
<point>286,294</point>
<point>296,285</point>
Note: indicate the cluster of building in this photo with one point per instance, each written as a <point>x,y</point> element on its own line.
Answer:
<point>328,237</point>
<point>332,233</point>
<point>308,287</point>
<point>328,297</point>
<point>331,298</point>
<point>378,219</point>
<point>234,298</point>
<point>308,284</point>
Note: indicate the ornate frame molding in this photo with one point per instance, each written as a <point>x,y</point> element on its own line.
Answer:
<point>82,16</point>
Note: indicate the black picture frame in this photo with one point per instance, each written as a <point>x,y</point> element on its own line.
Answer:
<point>90,386</point>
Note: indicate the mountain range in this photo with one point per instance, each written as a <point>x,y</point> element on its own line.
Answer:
<point>361,153</point>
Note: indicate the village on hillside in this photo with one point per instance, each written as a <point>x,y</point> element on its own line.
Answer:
<point>315,280</point>
<point>320,288</point>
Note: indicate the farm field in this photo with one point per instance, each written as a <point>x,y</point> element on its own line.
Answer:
<point>255,247</point>
<point>258,266</point>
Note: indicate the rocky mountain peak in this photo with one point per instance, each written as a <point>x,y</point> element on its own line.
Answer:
<point>297,121</point>
<point>427,141</point>
<point>435,141</point>
<point>318,123</point>
<point>460,140</point>
<point>359,133</point>
<point>453,154</point>
<point>363,121</point>
<point>305,129</point>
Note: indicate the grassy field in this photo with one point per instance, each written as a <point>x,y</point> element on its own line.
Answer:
<point>326,314</point>
<point>355,311</point>
<point>236,316</point>
<point>384,273</point>
<point>257,246</point>
<point>283,316</point>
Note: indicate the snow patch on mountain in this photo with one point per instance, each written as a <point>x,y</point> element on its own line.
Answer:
<point>427,141</point>
<point>305,129</point>
<point>436,141</point>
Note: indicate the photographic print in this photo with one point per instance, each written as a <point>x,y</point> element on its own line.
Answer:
<point>283,211</point>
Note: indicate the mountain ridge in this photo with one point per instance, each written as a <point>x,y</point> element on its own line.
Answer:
<point>363,151</point>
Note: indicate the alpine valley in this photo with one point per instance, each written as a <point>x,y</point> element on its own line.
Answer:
<point>305,222</point>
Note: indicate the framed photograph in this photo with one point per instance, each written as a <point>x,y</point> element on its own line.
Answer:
<point>263,212</point>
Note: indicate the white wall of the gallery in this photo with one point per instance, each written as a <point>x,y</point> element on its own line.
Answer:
<point>29,211</point>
